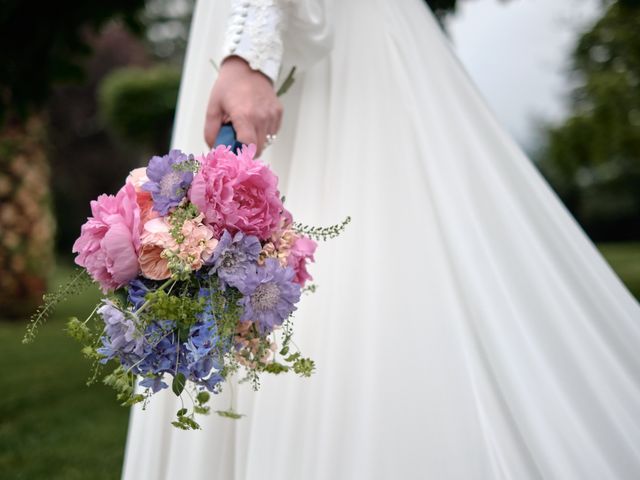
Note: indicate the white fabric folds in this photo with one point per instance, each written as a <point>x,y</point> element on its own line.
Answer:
<point>464,326</point>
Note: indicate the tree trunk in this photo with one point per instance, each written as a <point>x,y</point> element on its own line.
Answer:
<point>26,223</point>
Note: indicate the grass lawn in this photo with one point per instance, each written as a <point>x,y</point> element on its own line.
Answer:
<point>625,260</point>
<point>53,427</point>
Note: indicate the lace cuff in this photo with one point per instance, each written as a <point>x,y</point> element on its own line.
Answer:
<point>254,34</point>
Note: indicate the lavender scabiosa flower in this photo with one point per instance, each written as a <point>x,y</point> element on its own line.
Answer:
<point>233,255</point>
<point>269,294</point>
<point>121,336</point>
<point>168,183</point>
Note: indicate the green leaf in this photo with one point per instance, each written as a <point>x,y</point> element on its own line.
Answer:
<point>275,368</point>
<point>293,357</point>
<point>182,412</point>
<point>201,410</point>
<point>286,85</point>
<point>229,414</point>
<point>203,397</point>
<point>179,381</point>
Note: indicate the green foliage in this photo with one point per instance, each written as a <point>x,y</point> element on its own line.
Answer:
<point>304,367</point>
<point>203,397</point>
<point>177,386</point>
<point>184,421</point>
<point>593,158</point>
<point>177,218</point>
<point>123,382</point>
<point>139,104</point>
<point>229,414</point>
<point>287,83</point>
<point>184,309</point>
<point>79,331</point>
<point>321,233</point>
<point>75,286</point>
<point>47,43</point>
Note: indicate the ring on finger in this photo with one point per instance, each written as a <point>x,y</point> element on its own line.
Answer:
<point>270,139</point>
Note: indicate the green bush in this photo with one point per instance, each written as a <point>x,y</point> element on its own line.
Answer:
<point>139,104</point>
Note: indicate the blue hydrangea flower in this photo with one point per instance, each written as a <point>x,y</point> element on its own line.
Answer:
<point>155,383</point>
<point>233,255</point>
<point>269,294</point>
<point>137,290</point>
<point>160,348</point>
<point>167,185</point>
<point>199,357</point>
<point>121,336</point>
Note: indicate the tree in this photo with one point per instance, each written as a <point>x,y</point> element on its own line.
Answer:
<point>442,7</point>
<point>48,43</point>
<point>43,43</point>
<point>593,158</point>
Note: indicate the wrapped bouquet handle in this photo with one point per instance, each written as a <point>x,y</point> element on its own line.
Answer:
<point>227,136</point>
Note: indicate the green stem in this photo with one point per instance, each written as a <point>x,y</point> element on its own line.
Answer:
<point>161,287</point>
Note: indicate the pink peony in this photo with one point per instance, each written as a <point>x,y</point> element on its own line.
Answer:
<point>301,252</point>
<point>110,240</point>
<point>237,193</point>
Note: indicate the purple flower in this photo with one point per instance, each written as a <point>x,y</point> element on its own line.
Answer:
<point>199,357</point>
<point>138,289</point>
<point>233,255</point>
<point>270,294</point>
<point>168,184</point>
<point>121,336</point>
<point>153,382</point>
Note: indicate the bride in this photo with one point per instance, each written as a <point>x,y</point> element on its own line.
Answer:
<point>464,326</point>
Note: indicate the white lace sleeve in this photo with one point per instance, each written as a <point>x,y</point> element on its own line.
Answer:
<point>262,32</point>
<point>254,33</point>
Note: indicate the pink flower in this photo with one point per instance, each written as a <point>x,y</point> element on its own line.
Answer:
<point>155,238</point>
<point>110,239</point>
<point>138,177</point>
<point>198,244</point>
<point>237,193</point>
<point>158,245</point>
<point>301,252</point>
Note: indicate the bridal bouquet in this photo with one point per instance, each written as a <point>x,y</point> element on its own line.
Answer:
<point>202,267</point>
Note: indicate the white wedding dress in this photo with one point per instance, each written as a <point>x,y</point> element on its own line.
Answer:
<point>464,326</point>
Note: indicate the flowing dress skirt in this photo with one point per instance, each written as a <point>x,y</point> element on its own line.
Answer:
<point>464,326</point>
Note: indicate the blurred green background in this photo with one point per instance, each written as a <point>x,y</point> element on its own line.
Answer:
<point>104,98</point>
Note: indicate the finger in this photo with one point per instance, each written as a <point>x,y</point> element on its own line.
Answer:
<point>261,131</point>
<point>245,131</point>
<point>271,124</point>
<point>212,125</point>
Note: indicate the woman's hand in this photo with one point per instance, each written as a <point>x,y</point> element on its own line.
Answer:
<point>247,99</point>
